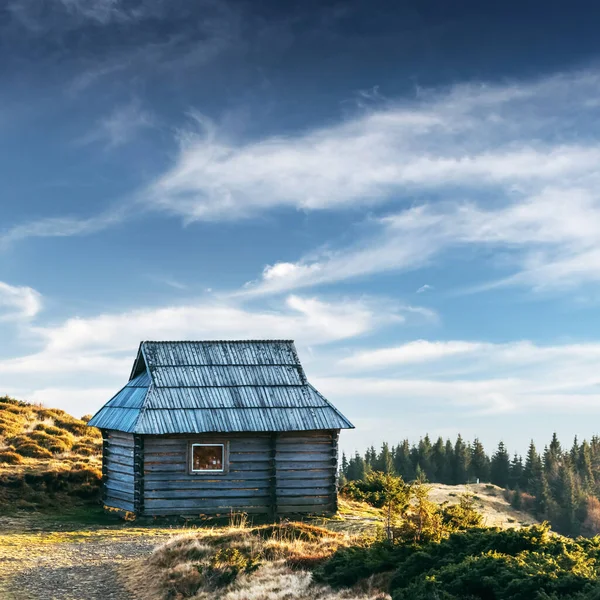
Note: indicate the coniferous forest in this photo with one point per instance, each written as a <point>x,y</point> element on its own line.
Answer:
<point>558,484</point>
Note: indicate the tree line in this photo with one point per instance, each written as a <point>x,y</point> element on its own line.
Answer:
<point>558,484</point>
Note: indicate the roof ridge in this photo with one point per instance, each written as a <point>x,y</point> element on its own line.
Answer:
<point>237,341</point>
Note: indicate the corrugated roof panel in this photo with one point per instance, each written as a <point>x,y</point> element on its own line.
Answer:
<point>120,419</point>
<point>218,375</point>
<point>232,420</point>
<point>233,397</point>
<point>264,352</point>
<point>199,387</point>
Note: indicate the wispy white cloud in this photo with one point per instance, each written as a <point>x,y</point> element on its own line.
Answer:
<point>97,351</point>
<point>412,352</point>
<point>121,126</point>
<point>551,239</point>
<point>63,226</point>
<point>468,137</point>
<point>424,288</point>
<point>18,302</point>
<point>474,376</point>
<point>95,343</point>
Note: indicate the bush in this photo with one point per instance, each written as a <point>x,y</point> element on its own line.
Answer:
<point>54,443</point>
<point>30,449</point>
<point>85,448</point>
<point>377,489</point>
<point>462,516</point>
<point>8,457</point>
<point>503,565</point>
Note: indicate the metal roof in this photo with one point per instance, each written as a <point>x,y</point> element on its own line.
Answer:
<point>218,386</point>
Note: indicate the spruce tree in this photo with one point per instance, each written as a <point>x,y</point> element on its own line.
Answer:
<point>438,461</point>
<point>479,467</point>
<point>532,472</point>
<point>574,453</point>
<point>357,468</point>
<point>344,465</point>
<point>567,501</point>
<point>425,450</point>
<point>448,475</point>
<point>384,460</point>
<point>371,458</point>
<point>461,462</point>
<point>402,462</point>
<point>500,467</point>
<point>516,473</point>
<point>543,499</point>
<point>584,467</point>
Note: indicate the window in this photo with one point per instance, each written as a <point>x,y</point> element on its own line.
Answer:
<point>208,458</point>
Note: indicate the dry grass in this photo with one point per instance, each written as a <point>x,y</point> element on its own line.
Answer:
<point>266,562</point>
<point>490,502</point>
<point>48,459</point>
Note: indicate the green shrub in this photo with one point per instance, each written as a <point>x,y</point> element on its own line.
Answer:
<point>376,489</point>
<point>479,563</point>
<point>503,565</point>
<point>462,516</point>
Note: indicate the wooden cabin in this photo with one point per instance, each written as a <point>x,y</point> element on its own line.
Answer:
<point>219,426</point>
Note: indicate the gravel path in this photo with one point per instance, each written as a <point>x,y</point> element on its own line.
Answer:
<point>43,568</point>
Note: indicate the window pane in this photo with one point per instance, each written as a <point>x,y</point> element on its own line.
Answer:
<point>207,458</point>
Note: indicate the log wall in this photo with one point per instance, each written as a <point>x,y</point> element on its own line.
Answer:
<point>118,470</point>
<point>306,472</point>
<point>266,473</point>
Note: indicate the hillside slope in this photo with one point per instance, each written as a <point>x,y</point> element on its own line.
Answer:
<point>490,501</point>
<point>47,457</point>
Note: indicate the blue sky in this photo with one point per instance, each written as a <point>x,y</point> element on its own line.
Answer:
<point>410,192</point>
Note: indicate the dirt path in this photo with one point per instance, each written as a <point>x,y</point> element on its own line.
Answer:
<point>71,565</point>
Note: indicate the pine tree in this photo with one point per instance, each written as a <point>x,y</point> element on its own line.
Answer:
<point>532,472</point>
<point>574,453</point>
<point>357,468</point>
<point>425,450</point>
<point>584,467</point>
<point>479,467</point>
<point>402,462</point>
<point>543,499</point>
<point>414,458</point>
<point>344,464</point>
<point>447,476</point>
<point>438,460</point>
<point>384,460</point>
<point>552,458</point>
<point>500,467</point>
<point>371,458</point>
<point>567,501</point>
<point>461,462</point>
<point>516,473</point>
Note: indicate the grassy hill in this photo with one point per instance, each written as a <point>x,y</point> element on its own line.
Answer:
<point>48,459</point>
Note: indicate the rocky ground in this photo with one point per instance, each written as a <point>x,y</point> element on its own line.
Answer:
<point>57,562</point>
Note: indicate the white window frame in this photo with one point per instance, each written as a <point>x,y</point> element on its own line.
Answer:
<point>223,458</point>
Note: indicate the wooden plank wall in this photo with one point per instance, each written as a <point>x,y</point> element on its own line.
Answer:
<point>170,490</point>
<point>118,466</point>
<point>297,470</point>
<point>306,465</point>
